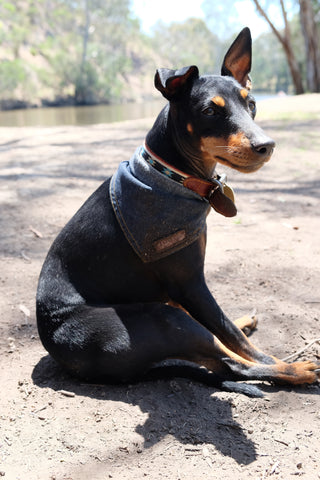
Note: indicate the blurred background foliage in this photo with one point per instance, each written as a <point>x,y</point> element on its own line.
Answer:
<point>85,52</point>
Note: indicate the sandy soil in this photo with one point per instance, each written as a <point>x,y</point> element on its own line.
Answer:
<point>267,258</point>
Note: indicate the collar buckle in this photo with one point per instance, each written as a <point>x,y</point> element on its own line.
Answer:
<point>220,182</point>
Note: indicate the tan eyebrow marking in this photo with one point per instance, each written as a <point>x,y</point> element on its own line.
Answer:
<point>219,101</point>
<point>244,93</point>
<point>190,128</point>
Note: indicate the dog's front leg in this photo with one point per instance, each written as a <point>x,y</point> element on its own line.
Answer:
<point>243,358</point>
<point>201,305</point>
<point>182,274</point>
<point>187,287</point>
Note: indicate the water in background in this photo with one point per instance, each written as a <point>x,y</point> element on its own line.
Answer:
<point>52,116</point>
<point>48,117</point>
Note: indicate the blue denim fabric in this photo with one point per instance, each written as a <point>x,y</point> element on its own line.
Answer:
<point>157,215</point>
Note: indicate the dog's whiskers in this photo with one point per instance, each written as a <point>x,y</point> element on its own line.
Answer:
<point>227,147</point>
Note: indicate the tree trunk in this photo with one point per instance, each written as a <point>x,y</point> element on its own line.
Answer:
<point>311,40</point>
<point>285,40</point>
<point>294,67</point>
<point>81,81</point>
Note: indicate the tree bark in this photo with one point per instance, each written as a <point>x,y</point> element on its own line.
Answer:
<point>311,40</point>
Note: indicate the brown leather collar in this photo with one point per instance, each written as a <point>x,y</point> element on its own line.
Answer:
<point>216,191</point>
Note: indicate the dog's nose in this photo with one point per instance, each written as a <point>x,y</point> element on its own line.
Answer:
<point>264,148</point>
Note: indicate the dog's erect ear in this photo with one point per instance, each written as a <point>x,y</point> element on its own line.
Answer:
<point>171,83</point>
<point>237,62</point>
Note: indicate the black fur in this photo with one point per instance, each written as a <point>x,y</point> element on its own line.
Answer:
<point>102,313</point>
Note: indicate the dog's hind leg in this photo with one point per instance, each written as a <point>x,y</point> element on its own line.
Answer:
<point>122,342</point>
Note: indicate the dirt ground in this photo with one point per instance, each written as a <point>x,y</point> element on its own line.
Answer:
<point>267,258</point>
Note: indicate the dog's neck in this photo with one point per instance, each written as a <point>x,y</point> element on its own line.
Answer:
<point>215,191</point>
<point>171,143</point>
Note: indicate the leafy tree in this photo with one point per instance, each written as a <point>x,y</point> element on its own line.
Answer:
<point>307,13</point>
<point>286,9</point>
<point>222,17</point>
<point>87,46</point>
<point>186,43</point>
<point>14,25</point>
<point>285,38</point>
<point>76,48</point>
<point>270,70</point>
<point>17,29</point>
<point>86,51</point>
<point>12,73</point>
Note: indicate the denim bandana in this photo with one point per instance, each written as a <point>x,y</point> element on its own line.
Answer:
<point>158,215</point>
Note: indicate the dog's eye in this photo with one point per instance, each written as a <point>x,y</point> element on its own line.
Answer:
<point>252,106</point>
<point>209,111</point>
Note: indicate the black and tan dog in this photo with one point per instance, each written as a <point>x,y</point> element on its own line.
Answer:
<point>122,288</point>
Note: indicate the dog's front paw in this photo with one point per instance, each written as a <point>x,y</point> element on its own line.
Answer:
<point>296,373</point>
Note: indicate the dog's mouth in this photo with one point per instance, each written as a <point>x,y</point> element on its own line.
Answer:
<point>235,152</point>
<point>241,168</point>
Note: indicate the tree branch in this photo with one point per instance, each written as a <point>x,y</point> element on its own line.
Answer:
<point>266,17</point>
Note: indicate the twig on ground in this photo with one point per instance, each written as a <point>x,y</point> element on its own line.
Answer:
<point>296,354</point>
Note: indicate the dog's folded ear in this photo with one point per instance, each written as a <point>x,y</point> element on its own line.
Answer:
<point>171,83</point>
<point>237,62</point>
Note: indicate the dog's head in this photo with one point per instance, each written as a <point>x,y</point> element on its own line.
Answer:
<point>213,115</point>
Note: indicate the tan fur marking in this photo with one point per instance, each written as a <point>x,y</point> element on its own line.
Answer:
<point>219,101</point>
<point>234,151</point>
<point>235,356</point>
<point>238,67</point>
<point>190,128</point>
<point>239,140</point>
<point>296,373</point>
<point>249,322</point>
<point>244,93</point>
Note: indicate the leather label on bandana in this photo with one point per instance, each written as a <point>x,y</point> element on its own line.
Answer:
<point>169,242</point>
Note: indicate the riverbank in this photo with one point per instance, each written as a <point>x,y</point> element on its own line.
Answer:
<point>267,258</point>
<point>86,115</point>
<point>89,115</point>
